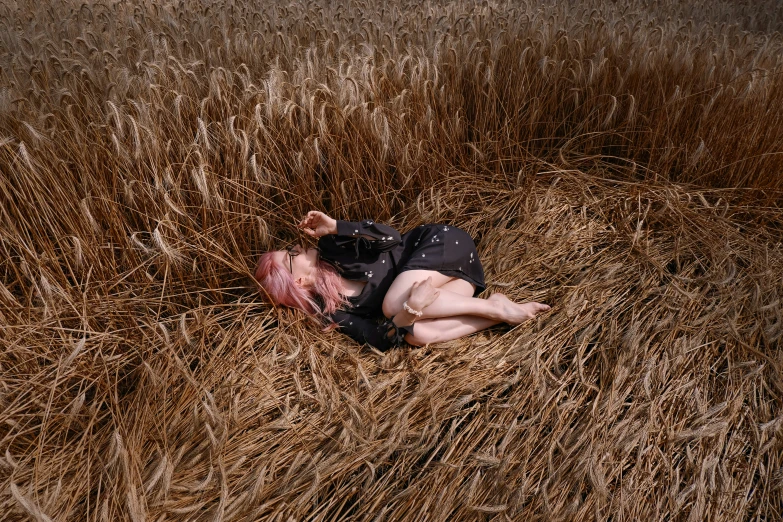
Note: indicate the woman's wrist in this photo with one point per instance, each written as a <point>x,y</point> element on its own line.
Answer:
<point>403,318</point>
<point>412,303</point>
<point>413,310</point>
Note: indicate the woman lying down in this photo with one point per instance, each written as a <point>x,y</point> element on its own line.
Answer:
<point>425,282</point>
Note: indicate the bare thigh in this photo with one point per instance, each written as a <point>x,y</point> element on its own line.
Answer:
<point>400,289</point>
<point>460,286</point>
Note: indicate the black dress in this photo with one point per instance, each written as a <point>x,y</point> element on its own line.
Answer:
<point>382,255</point>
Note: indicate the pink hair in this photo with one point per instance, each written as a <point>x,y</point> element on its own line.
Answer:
<point>281,289</point>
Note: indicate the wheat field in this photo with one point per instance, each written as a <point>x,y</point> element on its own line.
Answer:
<point>620,161</point>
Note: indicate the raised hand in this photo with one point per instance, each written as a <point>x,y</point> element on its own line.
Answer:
<point>317,224</point>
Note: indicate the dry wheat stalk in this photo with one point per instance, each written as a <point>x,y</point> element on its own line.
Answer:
<point>617,160</point>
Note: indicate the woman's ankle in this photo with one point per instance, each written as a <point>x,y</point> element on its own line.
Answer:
<point>496,310</point>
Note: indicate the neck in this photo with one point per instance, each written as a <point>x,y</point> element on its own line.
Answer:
<point>351,288</point>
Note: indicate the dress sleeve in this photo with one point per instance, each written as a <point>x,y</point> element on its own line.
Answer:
<point>366,236</point>
<point>364,331</point>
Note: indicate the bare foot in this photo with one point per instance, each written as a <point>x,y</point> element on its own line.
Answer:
<point>515,313</point>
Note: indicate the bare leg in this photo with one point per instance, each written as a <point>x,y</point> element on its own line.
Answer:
<point>462,304</point>
<point>459,286</point>
<point>450,304</point>
<point>447,328</point>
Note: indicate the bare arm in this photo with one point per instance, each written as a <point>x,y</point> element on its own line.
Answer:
<point>318,224</point>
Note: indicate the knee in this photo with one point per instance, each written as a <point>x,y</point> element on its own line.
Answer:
<point>421,335</point>
<point>414,340</point>
<point>390,307</point>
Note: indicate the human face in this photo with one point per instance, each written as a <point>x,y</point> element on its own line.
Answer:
<point>292,253</point>
<point>300,262</point>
